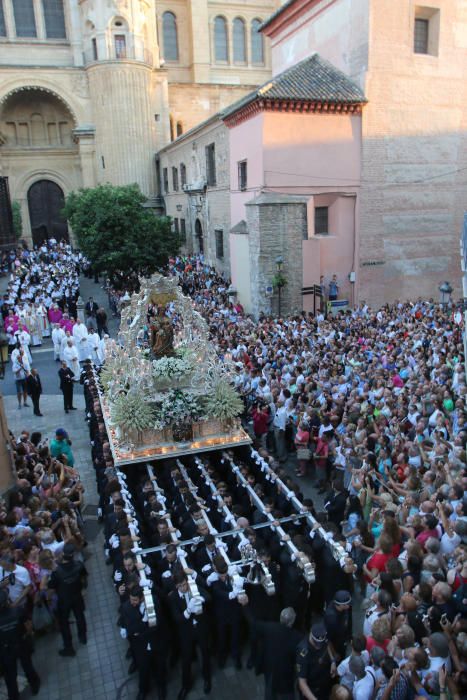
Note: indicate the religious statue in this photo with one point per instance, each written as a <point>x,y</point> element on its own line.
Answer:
<point>162,336</point>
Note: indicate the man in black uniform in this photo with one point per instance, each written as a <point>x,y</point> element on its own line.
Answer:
<point>190,618</point>
<point>279,647</point>
<point>14,645</point>
<point>34,389</point>
<point>66,386</point>
<point>315,665</point>
<point>143,640</point>
<point>338,622</point>
<point>68,580</point>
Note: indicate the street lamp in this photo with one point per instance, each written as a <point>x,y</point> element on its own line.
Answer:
<point>3,353</point>
<point>445,291</point>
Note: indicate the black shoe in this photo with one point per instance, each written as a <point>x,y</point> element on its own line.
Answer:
<point>67,652</point>
<point>183,694</point>
<point>73,408</point>
<point>39,414</point>
<point>222,661</point>
<point>207,687</point>
<point>238,664</point>
<point>35,686</point>
<point>27,404</point>
<point>66,410</point>
<point>162,694</point>
<point>83,640</point>
<point>250,663</point>
<point>140,696</point>
<point>132,668</point>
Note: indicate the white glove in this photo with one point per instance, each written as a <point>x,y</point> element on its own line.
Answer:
<point>192,606</point>
<point>118,576</point>
<point>233,595</point>
<point>212,577</point>
<point>123,633</point>
<point>167,574</point>
<point>206,568</point>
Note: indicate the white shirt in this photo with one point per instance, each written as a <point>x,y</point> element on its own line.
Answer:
<point>22,580</point>
<point>364,688</point>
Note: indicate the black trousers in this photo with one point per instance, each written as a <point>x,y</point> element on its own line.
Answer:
<point>226,628</point>
<point>35,403</point>
<point>64,609</point>
<point>188,648</point>
<point>9,668</point>
<point>67,397</point>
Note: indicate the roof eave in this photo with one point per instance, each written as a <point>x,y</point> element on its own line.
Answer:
<point>283,104</point>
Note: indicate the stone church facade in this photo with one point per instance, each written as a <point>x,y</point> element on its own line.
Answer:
<point>91,90</point>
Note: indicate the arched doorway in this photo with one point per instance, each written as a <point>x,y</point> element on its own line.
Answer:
<point>199,235</point>
<point>45,202</point>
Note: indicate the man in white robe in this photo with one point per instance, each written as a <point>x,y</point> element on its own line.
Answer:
<point>24,339</point>
<point>58,334</point>
<point>63,344</point>
<point>80,335</point>
<point>70,356</point>
<point>93,346</point>
<point>102,348</point>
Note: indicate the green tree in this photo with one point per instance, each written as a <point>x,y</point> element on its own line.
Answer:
<point>117,233</point>
<point>17,219</point>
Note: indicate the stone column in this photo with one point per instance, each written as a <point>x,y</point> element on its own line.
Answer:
<point>84,136</point>
<point>277,225</point>
<point>200,43</point>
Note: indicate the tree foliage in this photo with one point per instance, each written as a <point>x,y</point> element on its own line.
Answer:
<point>17,219</point>
<point>117,233</point>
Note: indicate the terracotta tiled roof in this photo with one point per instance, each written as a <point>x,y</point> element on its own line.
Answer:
<point>276,14</point>
<point>312,80</point>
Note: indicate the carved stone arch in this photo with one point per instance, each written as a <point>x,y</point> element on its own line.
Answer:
<point>11,88</point>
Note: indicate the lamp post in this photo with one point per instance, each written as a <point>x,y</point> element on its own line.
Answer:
<point>445,291</point>
<point>3,353</point>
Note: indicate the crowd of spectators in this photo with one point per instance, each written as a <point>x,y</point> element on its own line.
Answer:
<point>369,407</point>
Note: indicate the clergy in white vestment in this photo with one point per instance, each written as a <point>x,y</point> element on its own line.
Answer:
<point>70,356</point>
<point>24,339</point>
<point>58,334</point>
<point>63,344</point>
<point>102,348</point>
<point>80,335</point>
<point>41,312</point>
<point>93,346</point>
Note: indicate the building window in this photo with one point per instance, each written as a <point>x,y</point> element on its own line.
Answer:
<point>421,35</point>
<point>221,48</point>
<point>179,129</point>
<point>239,48</point>
<point>182,231</point>
<point>176,227</point>
<point>257,45</point>
<point>321,220</point>
<point>165,178</point>
<point>211,165</point>
<point>94,48</point>
<point>182,174</point>
<point>172,128</point>
<point>54,17</point>
<point>219,244</point>
<point>25,23</point>
<point>242,175</point>
<point>2,20</point>
<point>120,46</point>
<point>170,38</point>
<point>175,179</point>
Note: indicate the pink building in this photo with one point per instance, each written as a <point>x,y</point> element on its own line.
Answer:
<point>373,189</point>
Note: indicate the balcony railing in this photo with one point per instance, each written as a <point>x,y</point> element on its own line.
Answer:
<point>142,55</point>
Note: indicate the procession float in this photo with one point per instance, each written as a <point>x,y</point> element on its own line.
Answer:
<point>164,390</point>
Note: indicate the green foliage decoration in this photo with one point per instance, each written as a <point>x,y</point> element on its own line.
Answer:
<point>133,412</point>
<point>223,401</point>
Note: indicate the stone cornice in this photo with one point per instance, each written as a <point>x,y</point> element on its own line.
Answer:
<point>294,106</point>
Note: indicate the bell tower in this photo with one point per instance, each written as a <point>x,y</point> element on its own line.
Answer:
<point>128,89</point>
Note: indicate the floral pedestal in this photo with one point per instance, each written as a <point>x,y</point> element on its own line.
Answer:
<point>182,432</point>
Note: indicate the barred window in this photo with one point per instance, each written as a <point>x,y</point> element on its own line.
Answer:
<point>182,174</point>
<point>210,164</point>
<point>221,49</point>
<point>54,17</point>
<point>182,231</point>
<point>321,220</point>
<point>170,38</point>
<point>239,48</point>
<point>165,177</point>
<point>2,20</point>
<point>175,179</point>
<point>421,35</point>
<point>25,23</point>
<point>219,243</point>
<point>257,46</point>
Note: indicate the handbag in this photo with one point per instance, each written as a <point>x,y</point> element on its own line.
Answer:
<point>303,453</point>
<point>41,617</point>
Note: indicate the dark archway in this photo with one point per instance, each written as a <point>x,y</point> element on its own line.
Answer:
<point>199,235</point>
<point>45,202</point>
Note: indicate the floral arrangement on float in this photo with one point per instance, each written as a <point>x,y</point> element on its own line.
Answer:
<point>175,391</point>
